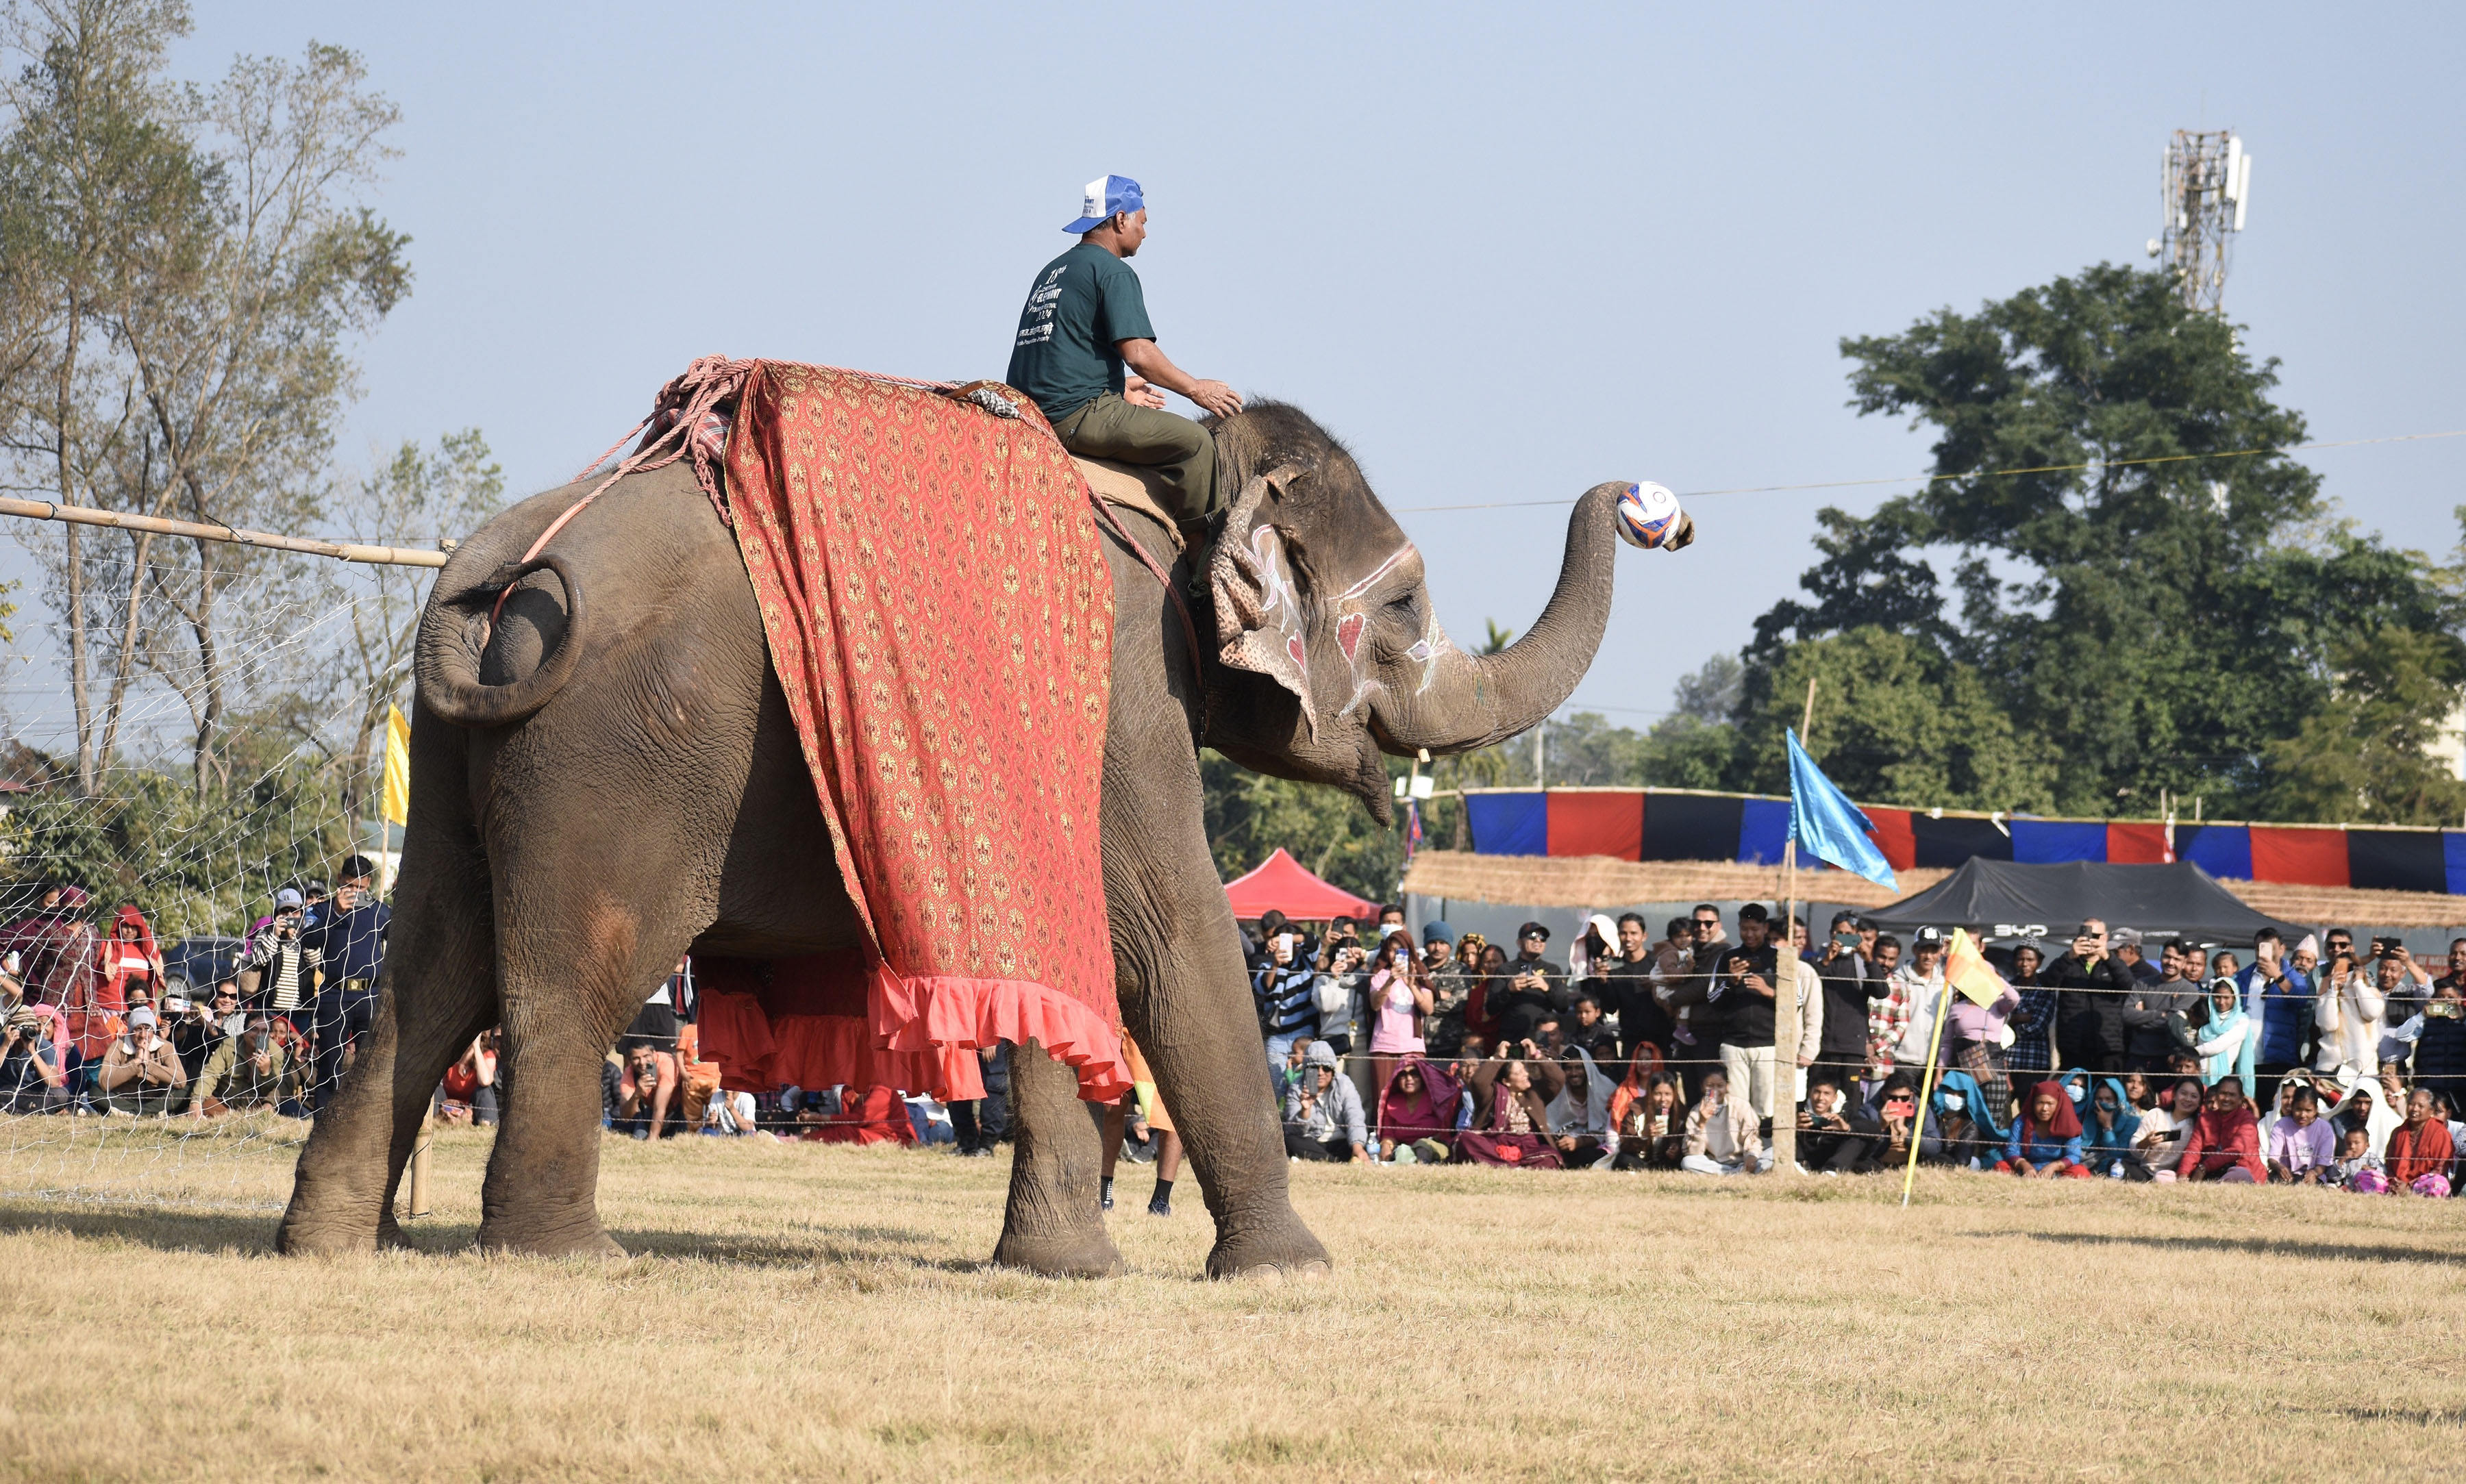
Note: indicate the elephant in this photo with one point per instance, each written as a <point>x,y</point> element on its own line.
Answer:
<point>607,778</point>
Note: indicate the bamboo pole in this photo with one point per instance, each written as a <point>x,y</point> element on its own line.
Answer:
<point>1786,988</point>
<point>344,551</point>
<point>416,1199</point>
<point>1926,1089</point>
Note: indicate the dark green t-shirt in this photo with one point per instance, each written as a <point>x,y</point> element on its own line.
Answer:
<point>1083,303</point>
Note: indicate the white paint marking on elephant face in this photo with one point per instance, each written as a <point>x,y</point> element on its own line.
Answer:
<point>1377,573</point>
<point>1271,577</point>
<point>1279,604</point>
<point>1426,650</point>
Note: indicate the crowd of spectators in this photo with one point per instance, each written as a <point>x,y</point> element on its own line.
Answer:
<point>2261,1062</point>
<point>93,1021</point>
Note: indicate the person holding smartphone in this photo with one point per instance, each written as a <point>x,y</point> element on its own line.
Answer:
<point>2277,991</point>
<point>2092,988</point>
<point>2405,985</point>
<point>141,1074</point>
<point>1288,1005</point>
<point>2348,1015</point>
<point>278,973</point>
<point>1532,978</point>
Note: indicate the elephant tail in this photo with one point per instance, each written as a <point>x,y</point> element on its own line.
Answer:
<point>467,619</point>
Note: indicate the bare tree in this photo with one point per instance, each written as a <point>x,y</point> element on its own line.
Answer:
<point>240,349</point>
<point>181,270</point>
<point>416,498</point>
<point>94,148</point>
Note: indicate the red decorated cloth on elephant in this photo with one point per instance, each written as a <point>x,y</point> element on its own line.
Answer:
<point>941,618</point>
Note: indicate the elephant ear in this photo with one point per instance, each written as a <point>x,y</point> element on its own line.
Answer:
<point>1261,625</point>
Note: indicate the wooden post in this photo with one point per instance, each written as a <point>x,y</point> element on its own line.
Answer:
<point>1787,969</point>
<point>1785,989</point>
<point>416,1199</point>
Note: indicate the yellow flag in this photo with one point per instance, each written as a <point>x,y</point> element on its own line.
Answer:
<point>1967,970</point>
<point>398,767</point>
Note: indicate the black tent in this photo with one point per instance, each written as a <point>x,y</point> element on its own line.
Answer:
<point>2003,898</point>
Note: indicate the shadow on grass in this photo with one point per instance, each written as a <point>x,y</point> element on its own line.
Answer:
<point>2416,1416</point>
<point>170,1230</point>
<point>252,1234</point>
<point>2258,1246</point>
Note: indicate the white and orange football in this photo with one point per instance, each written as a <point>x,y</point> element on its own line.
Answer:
<point>1648,515</point>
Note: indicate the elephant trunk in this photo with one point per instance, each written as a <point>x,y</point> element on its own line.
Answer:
<point>1473,702</point>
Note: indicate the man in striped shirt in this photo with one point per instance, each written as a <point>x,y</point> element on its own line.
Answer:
<point>285,965</point>
<point>1288,1001</point>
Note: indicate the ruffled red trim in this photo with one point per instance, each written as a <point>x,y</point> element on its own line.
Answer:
<point>911,1013</point>
<point>758,1054</point>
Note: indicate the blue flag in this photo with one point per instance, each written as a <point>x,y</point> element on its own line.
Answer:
<point>1827,825</point>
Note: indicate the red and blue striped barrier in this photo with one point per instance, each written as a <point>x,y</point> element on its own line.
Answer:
<point>1651,824</point>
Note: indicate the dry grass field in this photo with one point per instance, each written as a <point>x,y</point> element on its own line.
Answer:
<point>804,1313</point>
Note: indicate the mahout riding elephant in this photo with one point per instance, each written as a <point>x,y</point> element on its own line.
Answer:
<point>608,777</point>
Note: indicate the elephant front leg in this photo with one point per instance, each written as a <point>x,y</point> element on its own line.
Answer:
<point>1201,1038</point>
<point>1052,1224</point>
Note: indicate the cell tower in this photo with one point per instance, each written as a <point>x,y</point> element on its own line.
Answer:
<point>2204,188</point>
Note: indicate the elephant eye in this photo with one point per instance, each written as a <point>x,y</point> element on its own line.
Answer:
<point>1406,606</point>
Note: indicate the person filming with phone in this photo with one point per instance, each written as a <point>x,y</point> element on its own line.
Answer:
<point>2278,997</point>
<point>280,972</point>
<point>2092,987</point>
<point>1287,1002</point>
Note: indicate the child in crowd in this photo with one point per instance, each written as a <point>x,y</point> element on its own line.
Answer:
<point>1469,1059</point>
<point>2358,1170</point>
<point>1722,1136</point>
<point>1651,1126</point>
<point>2302,1150</point>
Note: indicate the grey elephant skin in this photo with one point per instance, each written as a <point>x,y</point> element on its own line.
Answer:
<point>607,778</point>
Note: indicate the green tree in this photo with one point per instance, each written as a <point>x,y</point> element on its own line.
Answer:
<point>1250,815</point>
<point>194,864</point>
<point>2362,755</point>
<point>2153,620</point>
<point>1896,721</point>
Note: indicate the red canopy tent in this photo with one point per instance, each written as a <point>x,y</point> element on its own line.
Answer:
<point>1281,883</point>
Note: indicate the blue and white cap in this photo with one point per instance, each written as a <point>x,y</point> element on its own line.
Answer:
<point>1103,197</point>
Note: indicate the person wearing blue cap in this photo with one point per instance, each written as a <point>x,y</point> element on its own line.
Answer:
<point>1085,327</point>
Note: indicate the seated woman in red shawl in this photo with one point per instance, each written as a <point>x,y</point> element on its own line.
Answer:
<point>2046,1139</point>
<point>1510,1120</point>
<point>2225,1145</point>
<point>2419,1149</point>
<point>1417,1116</point>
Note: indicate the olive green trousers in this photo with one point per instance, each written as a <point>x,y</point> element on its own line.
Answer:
<point>1181,452</point>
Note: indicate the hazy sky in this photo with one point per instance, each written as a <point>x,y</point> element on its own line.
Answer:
<point>1505,254</point>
